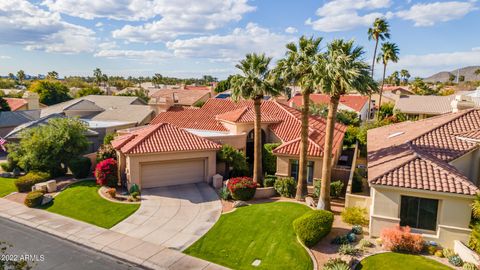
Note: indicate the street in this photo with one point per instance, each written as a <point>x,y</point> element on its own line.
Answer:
<point>50,252</point>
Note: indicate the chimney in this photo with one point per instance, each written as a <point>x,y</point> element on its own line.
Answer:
<point>161,104</point>
<point>462,102</point>
<point>32,99</point>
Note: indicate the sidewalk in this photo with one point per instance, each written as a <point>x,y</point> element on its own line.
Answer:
<point>114,243</point>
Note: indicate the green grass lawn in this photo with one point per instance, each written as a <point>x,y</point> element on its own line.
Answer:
<point>400,261</point>
<point>81,201</point>
<point>6,186</point>
<point>261,231</point>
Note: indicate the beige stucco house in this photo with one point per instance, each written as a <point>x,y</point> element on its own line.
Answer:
<point>425,174</point>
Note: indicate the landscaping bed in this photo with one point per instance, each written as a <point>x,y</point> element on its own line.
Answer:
<point>81,201</point>
<point>260,231</point>
<point>400,261</point>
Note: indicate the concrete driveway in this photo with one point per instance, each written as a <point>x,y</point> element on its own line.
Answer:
<point>174,217</point>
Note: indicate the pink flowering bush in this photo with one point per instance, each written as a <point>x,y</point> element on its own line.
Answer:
<point>242,188</point>
<point>106,172</point>
<point>401,239</point>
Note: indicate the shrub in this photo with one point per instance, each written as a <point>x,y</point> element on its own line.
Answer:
<point>355,215</point>
<point>26,182</point>
<point>340,240</point>
<point>400,239</point>
<point>269,180</point>
<point>336,189</point>
<point>285,186</point>
<point>336,264</point>
<point>134,188</point>
<point>474,241</point>
<point>357,184</point>
<point>112,192</point>
<point>242,188</point>
<point>9,166</point>
<point>347,249</point>
<point>235,161</point>
<point>106,172</point>
<point>34,199</point>
<point>469,266</point>
<point>357,229</point>
<point>224,194</point>
<point>364,243</point>
<point>80,167</point>
<point>351,237</point>
<point>135,195</point>
<point>431,250</point>
<point>439,254</point>
<point>108,138</point>
<point>106,151</point>
<point>269,160</point>
<point>448,252</point>
<point>455,260</point>
<point>313,226</point>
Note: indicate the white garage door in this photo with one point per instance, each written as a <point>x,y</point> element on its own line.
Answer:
<point>176,172</point>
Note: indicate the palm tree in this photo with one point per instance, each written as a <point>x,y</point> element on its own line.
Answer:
<point>380,30</point>
<point>254,84</point>
<point>395,78</point>
<point>52,75</point>
<point>340,71</point>
<point>97,73</point>
<point>389,52</point>
<point>405,76</point>
<point>21,76</point>
<point>297,69</point>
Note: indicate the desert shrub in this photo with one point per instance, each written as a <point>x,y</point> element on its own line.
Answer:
<point>400,239</point>
<point>106,172</point>
<point>269,180</point>
<point>469,266</point>
<point>224,193</point>
<point>336,264</point>
<point>364,243</point>
<point>448,252</point>
<point>269,160</point>
<point>80,167</point>
<point>313,226</point>
<point>351,237</point>
<point>455,260</point>
<point>134,188</point>
<point>355,215</point>
<point>336,189</point>
<point>347,249</point>
<point>285,186</point>
<point>357,229</point>
<point>439,254</point>
<point>112,192</point>
<point>431,250</point>
<point>26,182</point>
<point>106,151</point>
<point>340,240</point>
<point>474,241</point>
<point>242,188</point>
<point>34,199</point>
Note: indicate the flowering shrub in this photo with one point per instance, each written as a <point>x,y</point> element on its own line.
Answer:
<point>401,239</point>
<point>242,188</point>
<point>112,192</point>
<point>106,172</point>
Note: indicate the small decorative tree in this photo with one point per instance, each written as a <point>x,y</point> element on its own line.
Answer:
<point>106,172</point>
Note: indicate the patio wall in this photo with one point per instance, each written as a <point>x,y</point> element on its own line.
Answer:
<point>355,200</point>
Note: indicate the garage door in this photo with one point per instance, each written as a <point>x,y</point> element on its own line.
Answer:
<point>170,173</point>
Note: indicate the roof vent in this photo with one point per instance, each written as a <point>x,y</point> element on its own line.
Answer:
<point>395,134</point>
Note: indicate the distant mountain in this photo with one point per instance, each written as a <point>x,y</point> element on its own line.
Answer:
<point>468,72</point>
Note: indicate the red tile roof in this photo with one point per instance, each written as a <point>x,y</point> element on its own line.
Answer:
<point>15,103</point>
<point>244,115</point>
<point>161,138</point>
<point>354,102</point>
<point>417,154</point>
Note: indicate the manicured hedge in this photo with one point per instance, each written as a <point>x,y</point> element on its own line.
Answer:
<point>34,199</point>
<point>26,182</point>
<point>313,226</point>
<point>80,167</point>
<point>285,186</point>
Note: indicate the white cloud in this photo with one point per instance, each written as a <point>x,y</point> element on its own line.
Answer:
<point>185,17</point>
<point>431,13</point>
<point>24,23</point>
<point>343,15</point>
<point>5,57</point>
<point>233,46</point>
<point>291,30</point>
<point>99,24</point>
<point>149,55</point>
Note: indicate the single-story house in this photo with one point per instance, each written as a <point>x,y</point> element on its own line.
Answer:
<point>391,94</point>
<point>10,120</point>
<point>352,103</point>
<point>180,97</point>
<point>425,175</point>
<point>224,121</point>
<point>29,101</point>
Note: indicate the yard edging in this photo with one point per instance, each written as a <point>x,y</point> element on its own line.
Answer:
<point>115,201</point>
<point>310,253</point>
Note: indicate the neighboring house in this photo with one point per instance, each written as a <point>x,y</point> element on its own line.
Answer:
<point>425,174</point>
<point>10,120</point>
<point>352,103</point>
<point>224,121</point>
<point>29,101</point>
<point>391,94</point>
<point>180,97</point>
<point>14,135</point>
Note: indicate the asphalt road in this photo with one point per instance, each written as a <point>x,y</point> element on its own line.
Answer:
<point>51,252</point>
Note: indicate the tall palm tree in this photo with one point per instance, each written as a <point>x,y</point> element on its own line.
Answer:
<point>52,75</point>
<point>389,52</point>
<point>405,75</point>
<point>380,30</point>
<point>254,84</point>
<point>97,74</point>
<point>341,70</point>
<point>21,76</point>
<point>297,68</point>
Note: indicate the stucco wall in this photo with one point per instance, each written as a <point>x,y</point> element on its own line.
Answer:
<point>453,215</point>
<point>283,166</point>
<point>469,165</point>
<point>133,163</point>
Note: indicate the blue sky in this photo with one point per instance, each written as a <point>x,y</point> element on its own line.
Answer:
<point>187,38</point>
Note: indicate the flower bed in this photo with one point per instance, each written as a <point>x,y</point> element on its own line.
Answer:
<point>242,188</point>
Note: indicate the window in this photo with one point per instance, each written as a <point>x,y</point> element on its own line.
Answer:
<point>294,170</point>
<point>420,213</point>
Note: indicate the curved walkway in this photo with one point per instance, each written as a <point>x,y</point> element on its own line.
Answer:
<point>174,217</point>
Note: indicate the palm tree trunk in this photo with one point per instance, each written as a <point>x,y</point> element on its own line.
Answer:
<point>302,163</point>
<point>257,141</point>
<point>324,200</point>
<point>381,90</point>
<point>373,69</point>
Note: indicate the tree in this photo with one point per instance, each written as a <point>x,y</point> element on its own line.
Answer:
<point>50,92</point>
<point>235,161</point>
<point>461,78</point>
<point>394,78</point>
<point>380,30</point>
<point>11,76</point>
<point>223,85</point>
<point>345,117</point>
<point>340,71</point>
<point>52,75</point>
<point>477,72</point>
<point>405,75</point>
<point>389,52</point>
<point>254,84</point>
<point>21,76</point>
<point>88,91</point>
<point>419,87</point>
<point>451,77</point>
<point>297,68</point>
<point>97,74</point>
<point>50,147</point>
<point>4,107</point>
<point>157,79</point>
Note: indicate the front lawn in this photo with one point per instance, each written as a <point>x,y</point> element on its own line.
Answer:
<point>6,186</point>
<point>400,261</point>
<point>81,201</point>
<point>261,231</point>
